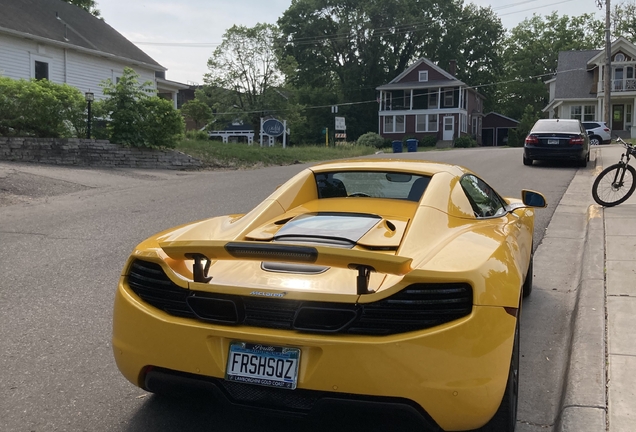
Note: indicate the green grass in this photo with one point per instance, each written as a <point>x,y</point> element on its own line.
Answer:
<point>240,155</point>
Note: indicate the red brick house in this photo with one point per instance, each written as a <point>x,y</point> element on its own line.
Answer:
<point>427,100</point>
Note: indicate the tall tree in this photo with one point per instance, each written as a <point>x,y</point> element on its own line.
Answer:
<point>244,78</point>
<point>624,20</point>
<point>87,5</point>
<point>531,55</point>
<point>348,47</point>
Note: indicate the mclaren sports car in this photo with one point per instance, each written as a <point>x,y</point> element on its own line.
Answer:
<point>380,283</point>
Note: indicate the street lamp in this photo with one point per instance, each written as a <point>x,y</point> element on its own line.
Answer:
<point>90,97</point>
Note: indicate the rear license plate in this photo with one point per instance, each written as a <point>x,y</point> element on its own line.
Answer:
<point>264,365</point>
<point>553,141</point>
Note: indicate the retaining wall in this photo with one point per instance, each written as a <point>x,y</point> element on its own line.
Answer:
<point>98,153</point>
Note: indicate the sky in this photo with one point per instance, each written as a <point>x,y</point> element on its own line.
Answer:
<point>182,34</point>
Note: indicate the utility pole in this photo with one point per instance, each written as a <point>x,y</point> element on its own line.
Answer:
<point>607,80</point>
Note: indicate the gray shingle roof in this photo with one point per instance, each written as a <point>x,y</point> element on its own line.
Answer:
<point>83,30</point>
<point>573,81</point>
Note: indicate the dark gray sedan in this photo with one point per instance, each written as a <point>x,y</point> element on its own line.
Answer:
<point>557,139</point>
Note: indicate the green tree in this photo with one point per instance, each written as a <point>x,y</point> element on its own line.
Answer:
<point>244,76</point>
<point>135,116</point>
<point>624,20</point>
<point>347,49</point>
<point>516,137</point>
<point>87,5</point>
<point>197,111</point>
<point>531,56</point>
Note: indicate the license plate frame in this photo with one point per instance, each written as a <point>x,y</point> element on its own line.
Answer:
<point>262,364</point>
<point>553,141</point>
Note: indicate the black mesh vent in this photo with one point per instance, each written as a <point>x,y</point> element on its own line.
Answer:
<point>153,286</point>
<point>417,307</point>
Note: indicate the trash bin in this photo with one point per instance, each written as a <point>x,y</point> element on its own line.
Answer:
<point>397,146</point>
<point>411,145</point>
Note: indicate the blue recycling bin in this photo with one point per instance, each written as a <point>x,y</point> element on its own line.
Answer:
<point>397,146</point>
<point>411,145</point>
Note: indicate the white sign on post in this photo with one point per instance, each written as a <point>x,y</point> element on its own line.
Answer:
<point>340,123</point>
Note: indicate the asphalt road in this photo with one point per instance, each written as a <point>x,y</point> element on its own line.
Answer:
<point>65,234</point>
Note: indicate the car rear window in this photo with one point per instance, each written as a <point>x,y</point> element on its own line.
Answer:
<point>556,126</point>
<point>591,125</point>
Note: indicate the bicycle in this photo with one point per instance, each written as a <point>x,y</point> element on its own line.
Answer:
<point>616,183</point>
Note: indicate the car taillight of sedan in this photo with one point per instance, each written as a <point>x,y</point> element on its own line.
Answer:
<point>532,140</point>
<point>576,140</point>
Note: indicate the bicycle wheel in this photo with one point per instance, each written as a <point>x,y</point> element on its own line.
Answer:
<point>608,189</point>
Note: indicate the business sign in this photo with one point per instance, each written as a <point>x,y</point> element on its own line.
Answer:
<point>273,127</point>
<point>340,123</point>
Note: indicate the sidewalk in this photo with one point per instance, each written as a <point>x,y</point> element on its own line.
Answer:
<point>620,292</point>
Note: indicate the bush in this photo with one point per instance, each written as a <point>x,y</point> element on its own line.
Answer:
<point>465,141</point>
<point>41,108</point>
<point>371,139</point>
<point>138,119</point>
<point>197,135</point>
<point>428,141</point>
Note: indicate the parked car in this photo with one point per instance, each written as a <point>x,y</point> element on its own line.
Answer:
<point>599,132</point>
<point>385,284</point>
<point>557,139</point>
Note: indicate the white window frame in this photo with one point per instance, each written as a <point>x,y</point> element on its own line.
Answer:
<point>433,97</point>
<point>394,124</point>
<point>463,123</point>
<point>423,76</point>
<point>474,126</point>
<point>449,92</point>
<point>589,113</point>
<point>619,57</point>
<point>574,115</point>
<point>427,123</point>
<point>40,59</point>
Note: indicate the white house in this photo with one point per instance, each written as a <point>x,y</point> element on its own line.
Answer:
<point>63,43</point>
<point>577,91</point>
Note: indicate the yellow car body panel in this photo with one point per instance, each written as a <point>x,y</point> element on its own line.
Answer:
<point>456,371</point>
<point>432,370</point>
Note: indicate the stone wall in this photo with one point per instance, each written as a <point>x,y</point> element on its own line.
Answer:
<point>97,153</point>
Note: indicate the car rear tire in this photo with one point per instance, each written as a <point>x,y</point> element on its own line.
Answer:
<point>595,140</point>
<point>505,418</point>
<point>527,161</point>
<point>526,290</point>
<point>583,162</point>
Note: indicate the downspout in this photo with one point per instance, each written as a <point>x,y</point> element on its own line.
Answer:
<point>65,66</point>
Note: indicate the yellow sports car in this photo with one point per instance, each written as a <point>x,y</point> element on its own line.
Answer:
<point>379,283</point>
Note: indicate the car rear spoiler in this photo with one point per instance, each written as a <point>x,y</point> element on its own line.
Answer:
<point>210,250</point>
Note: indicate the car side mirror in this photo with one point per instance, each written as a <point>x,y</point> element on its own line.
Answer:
<point>533,199</point>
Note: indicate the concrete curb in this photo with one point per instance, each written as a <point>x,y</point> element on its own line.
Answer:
<point>583,404</point>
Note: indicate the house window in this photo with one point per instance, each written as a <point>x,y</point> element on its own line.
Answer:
<point>423,76</point>
<point>474,127</point>
<point>41,70</point>
<point>628,115</point>
<point>432,100</point>
<point>448,97</point>
<point>394,124</point>
<point>426,123</point>
<point>433,124</point>
<point>583,113</point>
<point>463,119</point>
<point>619,57</point>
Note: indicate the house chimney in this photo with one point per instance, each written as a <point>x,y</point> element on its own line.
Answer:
<point>452,67</point>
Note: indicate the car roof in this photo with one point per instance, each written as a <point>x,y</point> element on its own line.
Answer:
<point>557,125</point>
<point>423,167</point>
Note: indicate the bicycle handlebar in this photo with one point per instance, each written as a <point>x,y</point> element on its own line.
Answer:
<point>628,146</point>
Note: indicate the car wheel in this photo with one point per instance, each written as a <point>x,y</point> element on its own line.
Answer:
<point>505,418</point>
<point>583,162</point>
<point>527,161</point>
<point>594,140</point>
<point>526,290</point>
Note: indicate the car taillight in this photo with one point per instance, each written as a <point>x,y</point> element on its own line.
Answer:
<point>606,129</point>
<point>577,141</point>
<point>532,139</point>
